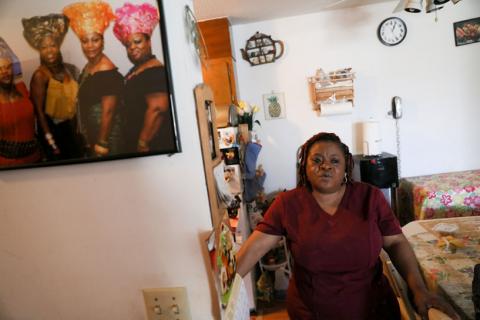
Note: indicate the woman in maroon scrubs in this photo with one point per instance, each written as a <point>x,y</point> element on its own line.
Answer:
<point>335,229</point>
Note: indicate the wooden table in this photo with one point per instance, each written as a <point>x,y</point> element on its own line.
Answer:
<point>448,272</point>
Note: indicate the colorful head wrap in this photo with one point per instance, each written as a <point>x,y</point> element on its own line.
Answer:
<point>7,53</point>
<point>35,29</point>
<point>135,19</point>
<point>89,17</point>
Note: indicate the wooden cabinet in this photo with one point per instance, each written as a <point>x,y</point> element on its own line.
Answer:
<point>219,75</point>
<point>219,68</point>
<point>216,34</point>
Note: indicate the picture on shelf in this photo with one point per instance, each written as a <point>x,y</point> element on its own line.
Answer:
<point>274,105</point>
<point>227,137</point>
<point>221,250</point>
<point>75,104</point>
<point>467,31</point>
<point>231,156</point>
<point>233,178</point>
<point>224,196</point>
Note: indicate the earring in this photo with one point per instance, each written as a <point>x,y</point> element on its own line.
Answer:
<point>345,179</point>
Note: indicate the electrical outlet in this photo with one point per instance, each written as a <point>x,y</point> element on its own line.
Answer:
<point>167,303</point>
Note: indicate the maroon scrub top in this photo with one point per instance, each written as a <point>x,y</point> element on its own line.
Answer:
<point>337,271</point>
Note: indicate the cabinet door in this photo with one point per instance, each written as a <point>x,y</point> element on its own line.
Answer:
<point>217,36</point>
<point>218,74</point>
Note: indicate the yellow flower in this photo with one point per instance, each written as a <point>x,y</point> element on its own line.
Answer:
<point>242,105</point>
<point>255,108</point>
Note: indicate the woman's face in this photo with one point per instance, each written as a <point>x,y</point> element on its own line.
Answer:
<point>49,50</point>
<point>138,47</point>
<point>325,167</point>
<point>92,45</point>
<point>6,72</point>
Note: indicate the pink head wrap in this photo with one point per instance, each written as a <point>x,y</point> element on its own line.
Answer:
<point>135,19</point>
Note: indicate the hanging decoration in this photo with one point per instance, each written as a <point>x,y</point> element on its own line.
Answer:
<point>261,48</point>
<point>195,35</point>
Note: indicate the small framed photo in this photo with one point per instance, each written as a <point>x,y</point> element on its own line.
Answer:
<point>467,31</point>
<point>231,156</point>
<point>233,178</point>
<point>227,137</point>
<point>274,105</point>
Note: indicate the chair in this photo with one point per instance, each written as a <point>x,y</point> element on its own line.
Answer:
<point>400,289</point>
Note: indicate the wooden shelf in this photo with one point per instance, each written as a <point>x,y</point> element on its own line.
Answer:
<point>331,87</point>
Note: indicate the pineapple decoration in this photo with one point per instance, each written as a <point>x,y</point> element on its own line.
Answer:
<point>274,108</point>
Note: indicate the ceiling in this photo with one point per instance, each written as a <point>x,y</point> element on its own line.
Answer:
<point>246,11</point>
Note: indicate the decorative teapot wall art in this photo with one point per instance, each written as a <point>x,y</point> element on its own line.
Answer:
<point>261,48</point>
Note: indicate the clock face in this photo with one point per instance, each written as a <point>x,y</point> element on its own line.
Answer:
<point>392,31</point>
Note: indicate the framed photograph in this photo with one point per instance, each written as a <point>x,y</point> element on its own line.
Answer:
<point>85,81</point>
<point>467,31</point>
<point>233,178</point>
<point>227,137</point>
<point>231,156</point>
<point>213,141</point>
<point>274,105</point>
<point>224,196</point>
<point>222,255</point>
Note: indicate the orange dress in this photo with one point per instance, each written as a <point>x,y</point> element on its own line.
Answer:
<point>18,144</point>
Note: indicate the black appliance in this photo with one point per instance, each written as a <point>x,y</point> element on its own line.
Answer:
<point>380,171</point>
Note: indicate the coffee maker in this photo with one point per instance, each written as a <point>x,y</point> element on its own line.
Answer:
<point>378,170</point>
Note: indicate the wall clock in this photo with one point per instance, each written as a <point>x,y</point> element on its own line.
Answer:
<point>392,31</point>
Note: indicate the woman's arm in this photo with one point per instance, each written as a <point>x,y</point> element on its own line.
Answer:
<point>157,105</point>
<point>109,104</point>
<point>38,93</point>
<point>404,259</point>
<point>253,249</point>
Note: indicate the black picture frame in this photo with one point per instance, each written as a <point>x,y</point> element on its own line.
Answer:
<point>12,32</point>
<point>231,156</point>
<point>466,31</point>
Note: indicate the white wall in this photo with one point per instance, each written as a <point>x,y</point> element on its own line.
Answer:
<point>81,241</point>
<point>438,82</point>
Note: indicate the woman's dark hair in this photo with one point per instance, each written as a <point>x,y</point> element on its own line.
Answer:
<point>303,154</point>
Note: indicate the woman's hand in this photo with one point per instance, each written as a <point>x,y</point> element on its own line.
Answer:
<point>100,151</point>
<point>425,300</point>
<point>142,146</point>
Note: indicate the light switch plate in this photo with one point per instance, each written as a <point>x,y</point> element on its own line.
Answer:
<point>167,303</point>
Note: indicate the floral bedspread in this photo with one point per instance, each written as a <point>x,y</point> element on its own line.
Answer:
<point>449,271</point>
<point>444,195</point>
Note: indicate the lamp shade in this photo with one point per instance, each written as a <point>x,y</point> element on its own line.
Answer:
<point>431,6</point>
<point>440,1</point>
<point>413,6</point>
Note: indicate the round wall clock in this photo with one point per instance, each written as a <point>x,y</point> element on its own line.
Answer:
<point>392,31</point>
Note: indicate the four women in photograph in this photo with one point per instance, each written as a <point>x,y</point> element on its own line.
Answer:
<point>99,112</point>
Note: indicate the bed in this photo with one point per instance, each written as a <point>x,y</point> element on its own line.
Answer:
<point>443,195</point>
